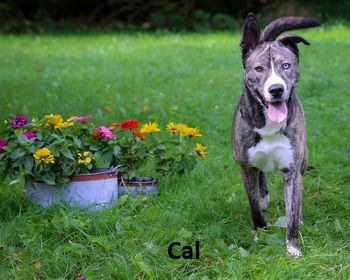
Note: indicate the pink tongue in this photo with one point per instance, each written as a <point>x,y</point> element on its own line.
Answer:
<point>277,111</point>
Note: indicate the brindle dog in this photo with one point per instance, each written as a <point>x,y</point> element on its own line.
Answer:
<point>268,126</point>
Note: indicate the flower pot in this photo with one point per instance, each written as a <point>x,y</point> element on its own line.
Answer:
<point>138,185</point>
<point>94,190</point>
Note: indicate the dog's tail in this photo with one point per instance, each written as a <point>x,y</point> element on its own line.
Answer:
<point>278,26</point>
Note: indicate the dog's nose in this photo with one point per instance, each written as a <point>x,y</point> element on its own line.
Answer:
<point>276,90</point>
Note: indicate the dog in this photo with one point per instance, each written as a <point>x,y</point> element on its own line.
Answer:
<point>268,126</point>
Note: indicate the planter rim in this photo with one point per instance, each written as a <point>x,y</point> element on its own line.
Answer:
<point>128,183</point>
<point>90,176</point>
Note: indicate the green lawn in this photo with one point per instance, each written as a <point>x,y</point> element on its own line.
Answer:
<point>196,79</point>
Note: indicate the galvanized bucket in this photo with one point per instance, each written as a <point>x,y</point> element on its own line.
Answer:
<point>138,185</point>
<point>94,190</point>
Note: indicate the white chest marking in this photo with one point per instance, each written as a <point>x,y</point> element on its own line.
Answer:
<point>274,151</point>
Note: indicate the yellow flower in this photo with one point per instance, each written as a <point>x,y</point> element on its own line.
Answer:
<point>171,127</point>
<point>44,155</point>
<point>181,128</point>
<point>200,150</point>
<point>64,124</point>
<point>176,128</point>
<point>150,127</point>
<point>53,120</point>
<point>85,158</point>
<point>56,121</point>
<point>191,131</point>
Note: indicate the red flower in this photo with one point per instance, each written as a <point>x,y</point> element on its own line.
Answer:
<point>138,134</point>
<point>129,124</point>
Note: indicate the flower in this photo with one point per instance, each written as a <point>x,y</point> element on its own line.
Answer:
<point>64,124</point>
<point>3,143</point>
<point>44,155</point>
<point>176,128</point>
<point>200,150</point>
<point>102,132</point>
<point>137,133</point>
<point>129,124</point>
<point>181,128</point>
<point>56,121</point>
<point>19,121</point>
<point>83,119</point>
<point>171,127</point>
<point>150,127</point>
<point>29,134</point>
<point>53,120</point>
<point>191,131</point>
<point>114,125</point>
<point>85,158</point>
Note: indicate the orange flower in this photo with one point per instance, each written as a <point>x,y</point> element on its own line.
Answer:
<point>114,125</point>
<point>138,134</point>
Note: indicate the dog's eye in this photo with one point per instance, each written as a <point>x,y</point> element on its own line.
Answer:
<point>259,69</point>
<point>285,65</point>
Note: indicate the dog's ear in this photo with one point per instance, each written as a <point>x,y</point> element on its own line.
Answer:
<point>250,35</point>
<point>291,42</point>
<point>278,26</point>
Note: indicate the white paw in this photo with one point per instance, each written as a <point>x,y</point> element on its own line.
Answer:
<point>293,251</point>
<point>264,201</point>
<point>255,236</point>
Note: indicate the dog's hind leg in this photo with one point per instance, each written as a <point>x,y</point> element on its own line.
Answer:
<point>251,185</point>
<point>263,191</point>
<point>293,196</point>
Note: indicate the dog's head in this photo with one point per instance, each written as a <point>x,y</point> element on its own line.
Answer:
<point>271,64</point>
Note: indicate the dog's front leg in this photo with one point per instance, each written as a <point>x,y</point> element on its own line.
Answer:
<point>251,184</point>
<point>292,195</point>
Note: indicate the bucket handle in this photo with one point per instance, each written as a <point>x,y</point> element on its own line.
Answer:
<point>117,168</point>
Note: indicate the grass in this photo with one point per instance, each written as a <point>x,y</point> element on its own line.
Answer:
<point>192,78</point>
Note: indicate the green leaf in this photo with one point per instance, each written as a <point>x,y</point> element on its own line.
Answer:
<point>100,163</point>
<point>77,142</point>
<point>28,163</point>
<point>31,149</point>
<point>68,154</point>
<point>18,153</point>
<point>107,158</point>
<point>22,138</point>
<point>48,178</point>
<point>116,150</point>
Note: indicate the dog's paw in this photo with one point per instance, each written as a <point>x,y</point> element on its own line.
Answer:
<point>293,250</point>
<point>264,201</point>
<point>255,236</point>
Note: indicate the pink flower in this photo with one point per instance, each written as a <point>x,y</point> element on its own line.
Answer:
<point>2,145</point>
<point>19,121</point>
<point>83,119</point>
<point>102,132</point>
<point>29,134</point>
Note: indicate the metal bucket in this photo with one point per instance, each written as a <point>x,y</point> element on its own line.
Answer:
<point>138,185</point>
<point>94,190</point>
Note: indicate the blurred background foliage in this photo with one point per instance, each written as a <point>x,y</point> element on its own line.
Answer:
<point>174,15</point>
